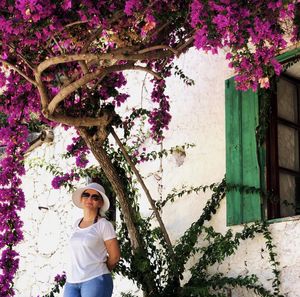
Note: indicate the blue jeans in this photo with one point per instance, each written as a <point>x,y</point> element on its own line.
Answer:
<point>100,286</point>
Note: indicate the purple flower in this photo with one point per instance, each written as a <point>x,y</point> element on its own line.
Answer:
<point>131,6</point>
<point>196,8</point>
<point>60,278</point>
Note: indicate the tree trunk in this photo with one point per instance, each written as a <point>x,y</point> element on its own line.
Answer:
<point>96,146</point>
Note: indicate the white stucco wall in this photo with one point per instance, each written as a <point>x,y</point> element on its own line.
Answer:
<point>198,117</point>
<point>42,253</point>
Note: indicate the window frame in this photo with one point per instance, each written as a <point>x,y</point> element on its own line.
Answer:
<point>273,169</point>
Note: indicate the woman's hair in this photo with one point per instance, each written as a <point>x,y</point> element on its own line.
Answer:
<point>101,213</point>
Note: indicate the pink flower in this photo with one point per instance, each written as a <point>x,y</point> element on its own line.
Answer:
<point>67,4</point>
<point>264,82</point>
<point>131,6</point>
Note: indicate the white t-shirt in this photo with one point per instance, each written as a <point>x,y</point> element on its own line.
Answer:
<point>88,252</point>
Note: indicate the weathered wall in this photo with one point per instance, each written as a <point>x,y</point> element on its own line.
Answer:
<point>198,117</point>
<point>47,218</point>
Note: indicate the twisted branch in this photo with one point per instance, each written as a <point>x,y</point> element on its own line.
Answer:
<point>19,71</point>
<point>124,56</point>
<point>99,74</point>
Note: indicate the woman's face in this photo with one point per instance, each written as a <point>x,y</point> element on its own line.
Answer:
<point>91,199</point>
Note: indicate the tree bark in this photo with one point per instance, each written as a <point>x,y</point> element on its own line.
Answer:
<point>111,173</point>
<point>96,146</point>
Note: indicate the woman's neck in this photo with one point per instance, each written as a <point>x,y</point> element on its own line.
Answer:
<point>89,216</point>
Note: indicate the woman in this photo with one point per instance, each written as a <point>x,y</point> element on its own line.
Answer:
<point>94,249</point>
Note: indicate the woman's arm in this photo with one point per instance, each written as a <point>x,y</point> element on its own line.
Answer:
<point>113,251</point>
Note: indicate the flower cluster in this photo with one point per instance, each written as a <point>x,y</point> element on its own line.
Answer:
<point>79,150</point>
<point>12,200</point>
<point>130,34</point>
<point>253,32</point>
<point>131,6</point>
<point>160,117</point>
<point>60,278</point>
<point>13,139</point>
<point>64,179</point>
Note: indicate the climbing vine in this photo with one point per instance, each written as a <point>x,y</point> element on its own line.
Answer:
<point>59,282</point>
<point>169,266</point>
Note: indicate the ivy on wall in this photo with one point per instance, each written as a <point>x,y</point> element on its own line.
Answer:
<point>168,265</point>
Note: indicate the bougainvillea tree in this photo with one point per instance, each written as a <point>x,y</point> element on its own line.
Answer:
<point>63,62</point>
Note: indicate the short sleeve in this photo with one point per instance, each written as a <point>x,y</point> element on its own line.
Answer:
<point>75,224</point>
<point>108,231</point>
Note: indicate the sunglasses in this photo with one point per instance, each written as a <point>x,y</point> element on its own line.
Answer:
<point>94,197</point>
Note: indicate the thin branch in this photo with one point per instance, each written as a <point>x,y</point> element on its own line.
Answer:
<point>68,80</point>
<point>19,71</point>
<point>62,29</point>
<point>76,23</point>
<point>83,64</point>
<point>140,180</point>
<point>157,47</point>
<point>60,48</point>
<point>186,45</point>
<point>22,57</point>
<point>142,89</point>
<point>164,63</point>
<point>101,156</point>
<point>146,69</point>
<point>94,34</point>
<point>181,47</point>
<point>91,39</point>
<point>158,30</point>
<point>126,50</point>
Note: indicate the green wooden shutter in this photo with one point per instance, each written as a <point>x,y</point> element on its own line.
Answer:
<point>242,168</point>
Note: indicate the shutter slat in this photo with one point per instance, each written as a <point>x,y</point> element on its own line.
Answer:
<point>233,153</point>
<point>241,154</point>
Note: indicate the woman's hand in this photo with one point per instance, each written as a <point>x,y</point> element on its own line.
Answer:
<point>113,251</point>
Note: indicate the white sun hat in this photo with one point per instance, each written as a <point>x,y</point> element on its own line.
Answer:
<point>93,186</point>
